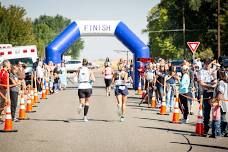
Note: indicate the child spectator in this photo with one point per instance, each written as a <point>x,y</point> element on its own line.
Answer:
<point>216,118</point>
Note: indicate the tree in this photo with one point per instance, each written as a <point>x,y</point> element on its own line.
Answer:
<point>165,26</point>
<point>15,29</point>
<point>46,28</point>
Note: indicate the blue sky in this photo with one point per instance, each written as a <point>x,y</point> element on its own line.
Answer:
<point>132,12</point>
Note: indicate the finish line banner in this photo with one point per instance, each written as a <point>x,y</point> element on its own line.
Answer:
<point>97,28</point>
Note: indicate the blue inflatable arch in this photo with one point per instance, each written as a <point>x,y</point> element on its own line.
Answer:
<point>76,29</point>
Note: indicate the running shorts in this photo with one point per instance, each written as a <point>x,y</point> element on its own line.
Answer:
<point>121,90</point>
<point>84,93</point>
<point>108,82</point>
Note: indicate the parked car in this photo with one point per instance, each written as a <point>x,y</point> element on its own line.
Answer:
<point>223,60</point>
<point>73,65</point>
<point>93,65</point>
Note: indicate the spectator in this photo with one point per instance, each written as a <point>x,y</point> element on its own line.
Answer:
<point>216,118</point>
<point>183,90</point>
<point>222,94</point>
<point>4,75</point>
<point>208,83</point>
<point>21,76</point>
<point>57,82</point>
<point>14,91</point>
<point>170,87</point>
<point>160,82</point>
<point>40,76</point>
<point>63,76</point>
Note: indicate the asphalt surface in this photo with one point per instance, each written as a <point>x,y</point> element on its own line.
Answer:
<point>57,127</point>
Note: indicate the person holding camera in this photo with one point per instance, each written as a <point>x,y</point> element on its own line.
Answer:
<point>208,83</point>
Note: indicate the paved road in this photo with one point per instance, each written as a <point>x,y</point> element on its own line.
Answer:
<point>56,127</point>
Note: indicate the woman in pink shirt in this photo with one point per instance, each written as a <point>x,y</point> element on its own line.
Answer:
<point>108,73</point>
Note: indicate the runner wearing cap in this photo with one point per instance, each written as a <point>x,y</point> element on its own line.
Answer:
<point>85,79</point>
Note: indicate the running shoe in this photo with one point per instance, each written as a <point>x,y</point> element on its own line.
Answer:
<point>122,119</point>
<point>184,121</point>
<point>16,120</point>
<point>85,119</point>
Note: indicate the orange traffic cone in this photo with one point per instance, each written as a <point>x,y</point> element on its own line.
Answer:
<point>35,95</point>
<point>22,112</point>
<point>139,91</point>
<point>176,112</point>
<point>163,107</point>
<point>32,97</point>
<point>43,96</point>
<point>8,126</point>
<point>47,89</point>
<point>199,124</point>
<point>29,105</point>
<point>153,100</point>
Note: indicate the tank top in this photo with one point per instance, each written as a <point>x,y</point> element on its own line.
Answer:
<point>150,75</point>
<point>84,78</point>
<point>108,73</point>
<point>118,80</point>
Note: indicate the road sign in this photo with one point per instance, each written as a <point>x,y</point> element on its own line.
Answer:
<point>193,46</point>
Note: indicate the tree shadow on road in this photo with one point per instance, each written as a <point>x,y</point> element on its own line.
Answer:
<point>154,119</point>
<point>57,120</point>
<point>130,97</point>
<point>145,109</point>
<point>72,120</point>
<point>202,145</point>
<point>93,120</point>
<point>99,87</point>
<point>168,129</point>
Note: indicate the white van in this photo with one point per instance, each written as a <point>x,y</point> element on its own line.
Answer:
<point>26,54</point>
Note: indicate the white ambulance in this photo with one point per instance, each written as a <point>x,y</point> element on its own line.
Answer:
<point>3,46</point>
<point>26,54</point>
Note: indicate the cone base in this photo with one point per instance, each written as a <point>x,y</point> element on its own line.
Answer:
<point>23,118</point>
<point>162,113</point>
<point>5,131</point>
<point>30,111</point>
<point>199,129</point>
<point>43,99</point>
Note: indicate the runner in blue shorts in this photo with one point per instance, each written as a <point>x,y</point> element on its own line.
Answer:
<point>120,79</point>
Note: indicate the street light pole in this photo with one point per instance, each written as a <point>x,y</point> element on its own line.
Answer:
<point>184,30</point>
<point>118,51</point>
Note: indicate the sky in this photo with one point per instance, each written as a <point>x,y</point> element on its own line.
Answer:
<point>132,12</point>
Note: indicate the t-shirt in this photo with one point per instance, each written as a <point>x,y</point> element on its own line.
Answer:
<point>216,112</point>
<point>15,78</point>
<point>171,80</point>
<point>84,78</point>
<point>223,88</point>
<point>21,73</point>
<point>184,84</point>
<point>108,73</point>
<point>3,78</point>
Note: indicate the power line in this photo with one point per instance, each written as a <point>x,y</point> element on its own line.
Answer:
<point>181,30</point>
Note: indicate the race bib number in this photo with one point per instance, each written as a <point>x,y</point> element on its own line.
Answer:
<point>121,87</point>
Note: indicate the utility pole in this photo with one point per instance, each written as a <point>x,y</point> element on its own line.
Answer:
<point>219,45</point>
<point>123,51</point>
<point>183,18</point>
